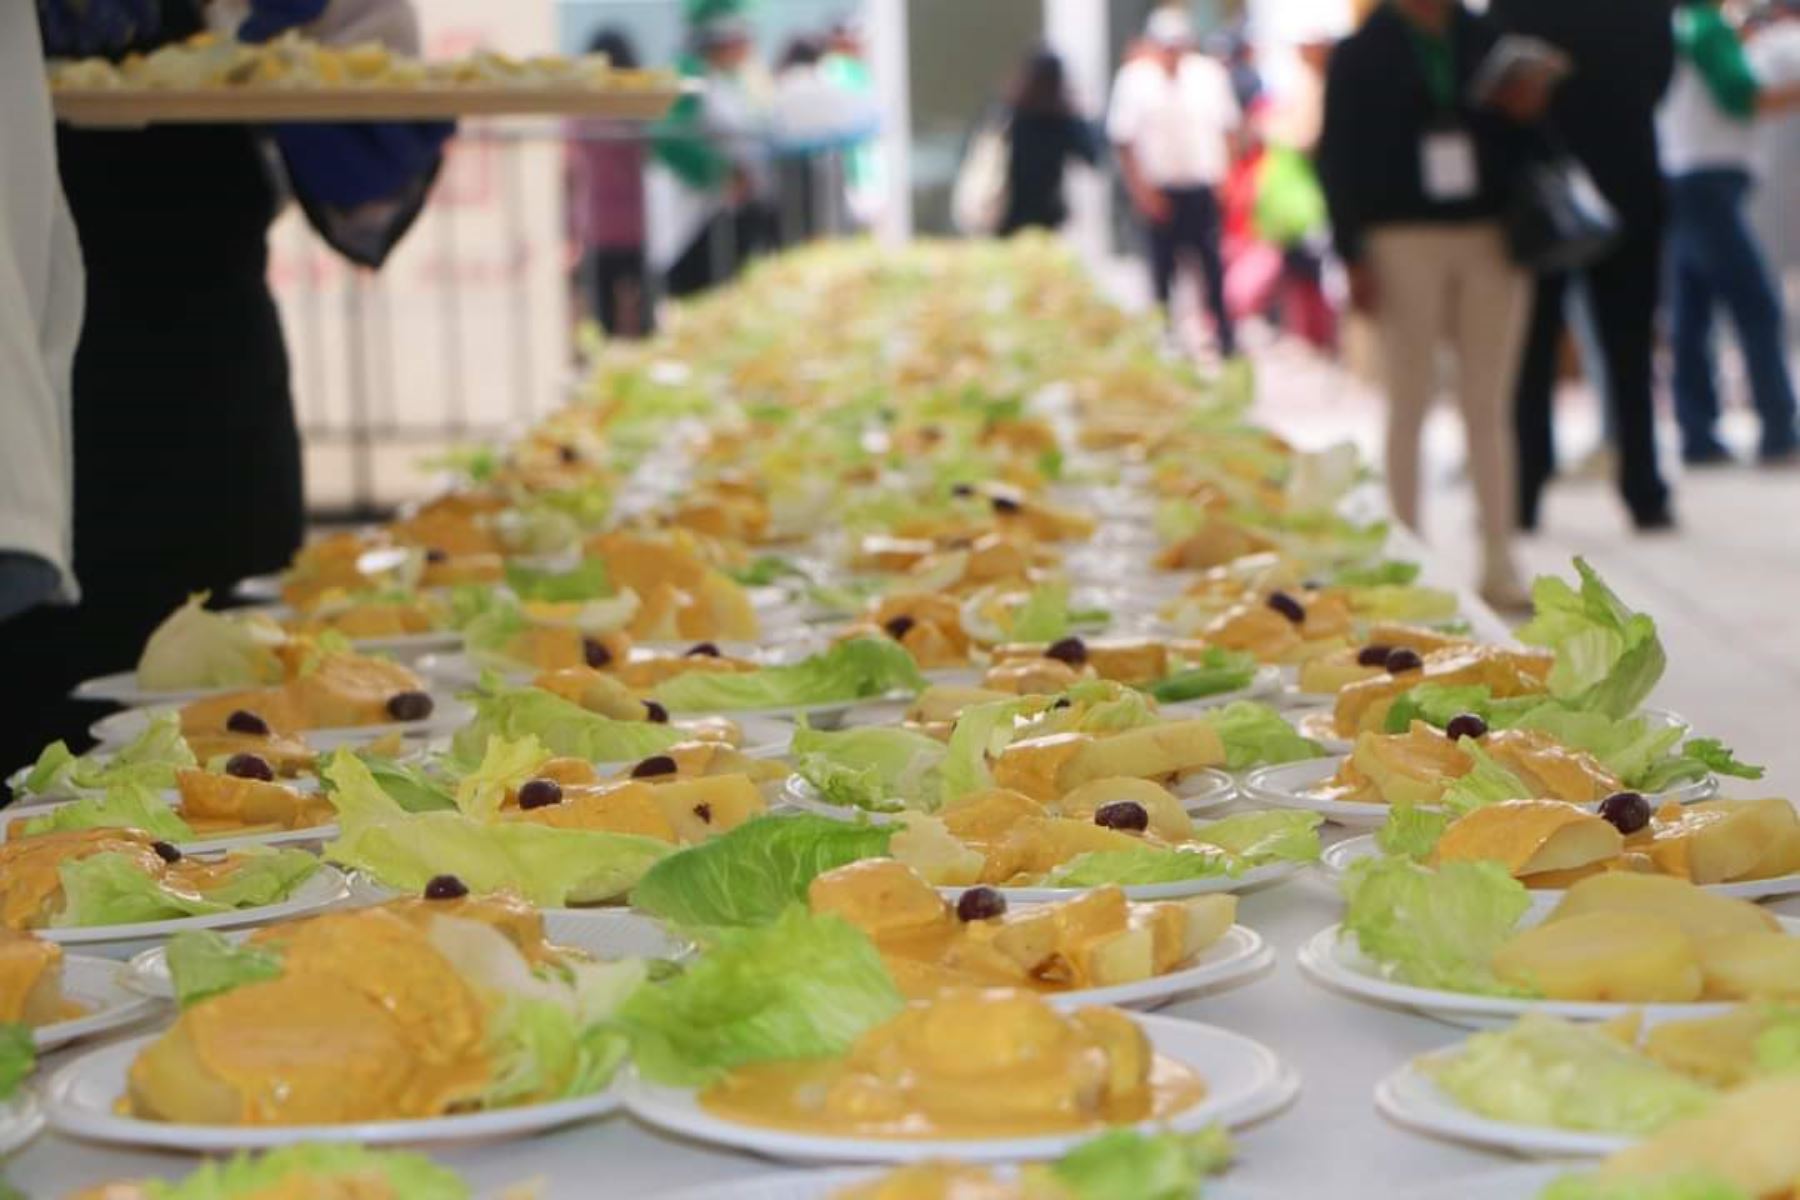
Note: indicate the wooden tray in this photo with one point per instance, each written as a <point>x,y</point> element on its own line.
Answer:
<point>130,108</point>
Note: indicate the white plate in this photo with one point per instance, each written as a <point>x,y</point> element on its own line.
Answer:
<point>258,588</point>
<point>1512,1183</point>
<point>1202,791</point>
<point>1255,877</point>
<point>317,835</point>
<point>1337,859</point>
<point>1338,964</point>
<point>121,687</point>
<point>828,715</point>
<point>447,714</point>
<point>325,887</point>
<point>1409,1097</point>
<point>99,986</point>
<point>825,1184</point>
<point>1237,958</point>
<point>79,1101</point>
<point>1285,786</point>
<point>20,1120</point>
<point>605,933</point>
<point>453,667</point>
<point>1245,1082</point>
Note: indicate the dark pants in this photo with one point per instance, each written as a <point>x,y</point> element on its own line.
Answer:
<point>1622,290</point>
<point>617,282</point>
<point>1714,259</point>
<point>1193,225</point>
<point>721,249</point>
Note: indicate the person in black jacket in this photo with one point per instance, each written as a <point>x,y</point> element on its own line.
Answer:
<point>1623,55</point>
<point>1417,179</point>
<point>1044,133</point>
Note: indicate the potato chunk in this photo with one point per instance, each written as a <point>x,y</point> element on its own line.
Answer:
<point>1604,956</point>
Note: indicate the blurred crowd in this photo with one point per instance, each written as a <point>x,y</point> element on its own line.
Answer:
<point>1472,185</point>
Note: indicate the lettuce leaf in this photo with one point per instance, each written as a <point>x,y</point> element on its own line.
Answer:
<point>1697,757</point>
<point>1434,928</point>
<point>110,889</point>
<point>852,670</point>
<point>1043,616</point>
<point>981,733</point>
<point>548,866</point>
<point>801,987</point>
<point>1392,602</point>
<point>124,805</point>
<point>543,1051</point>
<point>563,727</point>
<point>1275,835</point>
<point>1411,831</point>
<point>882,770</point>
<point>586,581</point>
<point>1550,1073</point>
<point>195,648</point>
<point>1124,1164</point>
<point>504,766</point>
<point>748,876</point>
<point>1487,783</point>
<point>764,570</point>
<point>18,1055</point>
<point>203,963</point>
<point>1438,704</point>
<point>1697,1185</point>
<point>1608,658</point>
<point>1777,1048</point>
<point>1391,572</point>
<point>407,784</point>
<point>1255,734</point>
<point>150,759</point>
<point>413,1176</point>
<point>1218,670</point>
<point>1230,847</point>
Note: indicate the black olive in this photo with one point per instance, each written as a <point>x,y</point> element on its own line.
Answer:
<point>410,706</point>
<point>1373,655</point>
<point>539,793</point>
<point>655,713</point>
<point>1466,725</point>
<point>962,491</point>
<point>704,812</point>
<point>568,454</point>
<point>166,852</point>
<point>1402,660</point>
<point>1005,505</point>
<point>899,627</point>
<point>435,555</point>
<point>1062,702</point>
<point>1287,606</point>
<point>244,721</point>
<point>1123,814</point>
<point>446,887</point>
<point>1627,812</point>
<point>249,766</point>
<point>980,904</point>
<point>595,653</point>
<point>650,768</point>
<point>1071,650</point>
<point>704,650</point>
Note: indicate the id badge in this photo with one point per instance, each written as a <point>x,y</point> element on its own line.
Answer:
<point>1447,165</point>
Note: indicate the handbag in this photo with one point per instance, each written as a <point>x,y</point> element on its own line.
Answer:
<point>1557,220</point>
<point>978,197</point>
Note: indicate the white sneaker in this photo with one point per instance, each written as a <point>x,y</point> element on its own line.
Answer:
<point>1502,591</point>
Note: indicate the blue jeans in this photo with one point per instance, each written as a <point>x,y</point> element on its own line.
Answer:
<point>1714,258</point>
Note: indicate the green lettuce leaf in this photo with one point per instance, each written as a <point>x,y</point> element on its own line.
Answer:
<point>1123,1164</point>
<point>413,1176</point>
<point>203,963</point>
<point>1231,846</point>
<point>110,889</point>
<point>1391,572</point>
<point>801,987</point>
<point>1778,1045</point>
<point>586,581</point>
<point>1411,831</point>
<point>852,670</point>
<point>981,733</point>
<point>550,867</point>
<point>1101,707</point>
<point>1438,704</point>
<point>18,1055</point>
<point>504,766</point>
<point>196,648</point>
<point>1043,616</point>
<point>124,805</point>
<point>1258,837</point>
<point>1696,758</point>
<point>883,770</point>
<point>1218,670</point>
<point>150,759</point>
<point>764,570</point>
<point>407,784</point>
<point>1434,928</point>
<point>1405,603</point>
<point>750,875</point>
<point>1255,734</point>
<point>1685,1186</point>
<point>1487,783</point>
<point>1550,1073</point>
<point>1608,658</point>
<point>543,1051</point>
<point>564,728</point>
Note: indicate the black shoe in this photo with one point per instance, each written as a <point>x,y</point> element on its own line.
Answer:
<point>1714,455</point>
<point>1660,521</point>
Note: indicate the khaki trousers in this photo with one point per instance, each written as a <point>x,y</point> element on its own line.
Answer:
<point>1454,288</point>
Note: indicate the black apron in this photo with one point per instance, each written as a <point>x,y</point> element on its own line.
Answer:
<point>187,457</point>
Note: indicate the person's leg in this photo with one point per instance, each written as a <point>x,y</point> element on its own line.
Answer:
<point>1205,228</point>
<point>1409,270</point>
<point>1161,243</point>
<point>1623,289</point>
<point>1533,436</point>
<point>1691,319</point>
<point>1489,316</point>
<point>1741,279</point>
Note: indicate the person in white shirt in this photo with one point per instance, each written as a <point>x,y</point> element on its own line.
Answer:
<point>1173,123</point>
<point>40,322</point>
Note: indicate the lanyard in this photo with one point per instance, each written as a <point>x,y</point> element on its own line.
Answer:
<point>1438,64</point>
